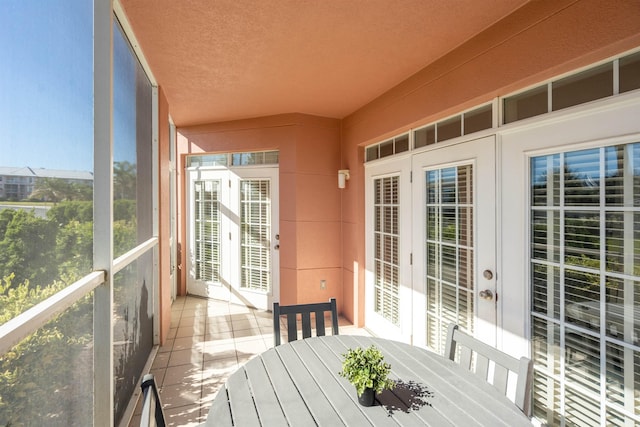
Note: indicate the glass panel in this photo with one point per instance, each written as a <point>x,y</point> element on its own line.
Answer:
<point>449,128</point>
<point>257,158</point>
<point>582,178</point>
<point>386,148</point>
<point>629,72</point>
<point>132,328</point>
<point>527,104</point>
<point>47,379</point>
<point>622,175</point>
<point>132,169</point>
<point>545,237</point>
<point>402,144</point>
<point>372,153</point>
<point>208,160</point>
<point>582,239</point>
<point>425,136</point>
<point>623,383</point>
<point>207,229</point>
<point>46,110</point>
<point>255,230</point>
<point>622,257</point>
<point>545,179</point>
<point>546,290</point>
<point>449,251</point>
<point>598,281</point>
<point>386,237</point>
<point>478,119</point>
<point>587,86</point>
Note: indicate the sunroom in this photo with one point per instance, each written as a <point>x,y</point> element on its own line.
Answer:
<point>423,162</point>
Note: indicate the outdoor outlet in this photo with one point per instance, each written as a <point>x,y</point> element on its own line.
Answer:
<point>323,284</point>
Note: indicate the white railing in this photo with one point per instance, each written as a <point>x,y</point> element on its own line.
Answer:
<point>23,325</point>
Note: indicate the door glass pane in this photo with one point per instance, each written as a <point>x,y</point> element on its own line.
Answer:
<point>585,284</point>
<point>255,231</point>
<point>207,230</point>
<point>386,262</point>
<point>449,251</point>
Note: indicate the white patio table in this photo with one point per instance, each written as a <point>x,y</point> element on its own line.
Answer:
<point>298,384</point>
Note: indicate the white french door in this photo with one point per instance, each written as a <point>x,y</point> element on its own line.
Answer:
<point>233,236</point>
<point>431,244</point>
<point>454,244</point>
<point>388,245</point>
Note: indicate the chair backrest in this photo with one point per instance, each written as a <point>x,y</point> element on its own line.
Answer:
<point>304,310</point>
<point>503,364</point>
<point>152,412</point>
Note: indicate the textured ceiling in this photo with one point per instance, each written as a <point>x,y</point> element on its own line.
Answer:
<point>220,60</point>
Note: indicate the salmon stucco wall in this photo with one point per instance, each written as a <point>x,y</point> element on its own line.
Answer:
<point>310,201</point>
<point>164,218</point>
<point>539,41</point>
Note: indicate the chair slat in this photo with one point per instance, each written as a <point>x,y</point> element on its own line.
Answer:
<point>320,329</point>
<point>465,357</point>
<point>500,378</point>
<point>306,324</point>
<point>292,328</point>
<point>482,366</point>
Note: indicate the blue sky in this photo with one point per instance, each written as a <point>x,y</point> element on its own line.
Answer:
<point>46,87</point>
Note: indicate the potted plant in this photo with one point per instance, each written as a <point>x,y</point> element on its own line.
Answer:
<point>368,372</point>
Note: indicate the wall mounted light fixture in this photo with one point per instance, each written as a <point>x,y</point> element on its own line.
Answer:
<point>343,176</point>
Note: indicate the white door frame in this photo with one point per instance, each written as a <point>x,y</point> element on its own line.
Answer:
<point>480,153</point>
<point>581,127</point>
<point>228,289</point>
<point>400,167</point>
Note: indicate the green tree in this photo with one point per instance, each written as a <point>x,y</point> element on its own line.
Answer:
<point>28,249</point>
<point>57,189</point>
<point>42,376</point>
<point>124,180</point>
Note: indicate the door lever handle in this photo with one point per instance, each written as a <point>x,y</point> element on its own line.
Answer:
<point>486,294</point>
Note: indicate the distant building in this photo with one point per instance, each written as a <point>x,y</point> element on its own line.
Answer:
<point>19,183</point>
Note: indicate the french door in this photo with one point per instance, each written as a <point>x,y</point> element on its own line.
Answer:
<point>233,236</point>
<point>431,244</point>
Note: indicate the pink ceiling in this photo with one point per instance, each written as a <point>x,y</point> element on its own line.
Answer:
<point>221,60</point>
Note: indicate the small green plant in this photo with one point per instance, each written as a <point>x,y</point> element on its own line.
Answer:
<point>366,368</point>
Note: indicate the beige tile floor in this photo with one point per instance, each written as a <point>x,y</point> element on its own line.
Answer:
<point>208,341</point>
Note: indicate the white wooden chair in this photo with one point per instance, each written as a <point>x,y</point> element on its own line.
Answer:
<point>477,356</point>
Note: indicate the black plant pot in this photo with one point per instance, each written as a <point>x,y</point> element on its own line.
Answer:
<point>368,397</point>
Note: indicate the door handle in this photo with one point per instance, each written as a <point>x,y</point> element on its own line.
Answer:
<point>486,294</point>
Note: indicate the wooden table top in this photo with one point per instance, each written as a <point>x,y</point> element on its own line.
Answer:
<point>298,384</point>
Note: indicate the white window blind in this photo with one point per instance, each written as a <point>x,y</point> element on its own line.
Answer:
<point>207,230</point>
<point>386,236</point>
<point>255,223</point>
<point>449,251</point>
<point>585,282</point>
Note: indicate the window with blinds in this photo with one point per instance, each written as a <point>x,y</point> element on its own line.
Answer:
<point>255,230</point>
<point>207,230</point>
<point>386,236</point>
<point>585,282</point>
<point>449,252</point>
